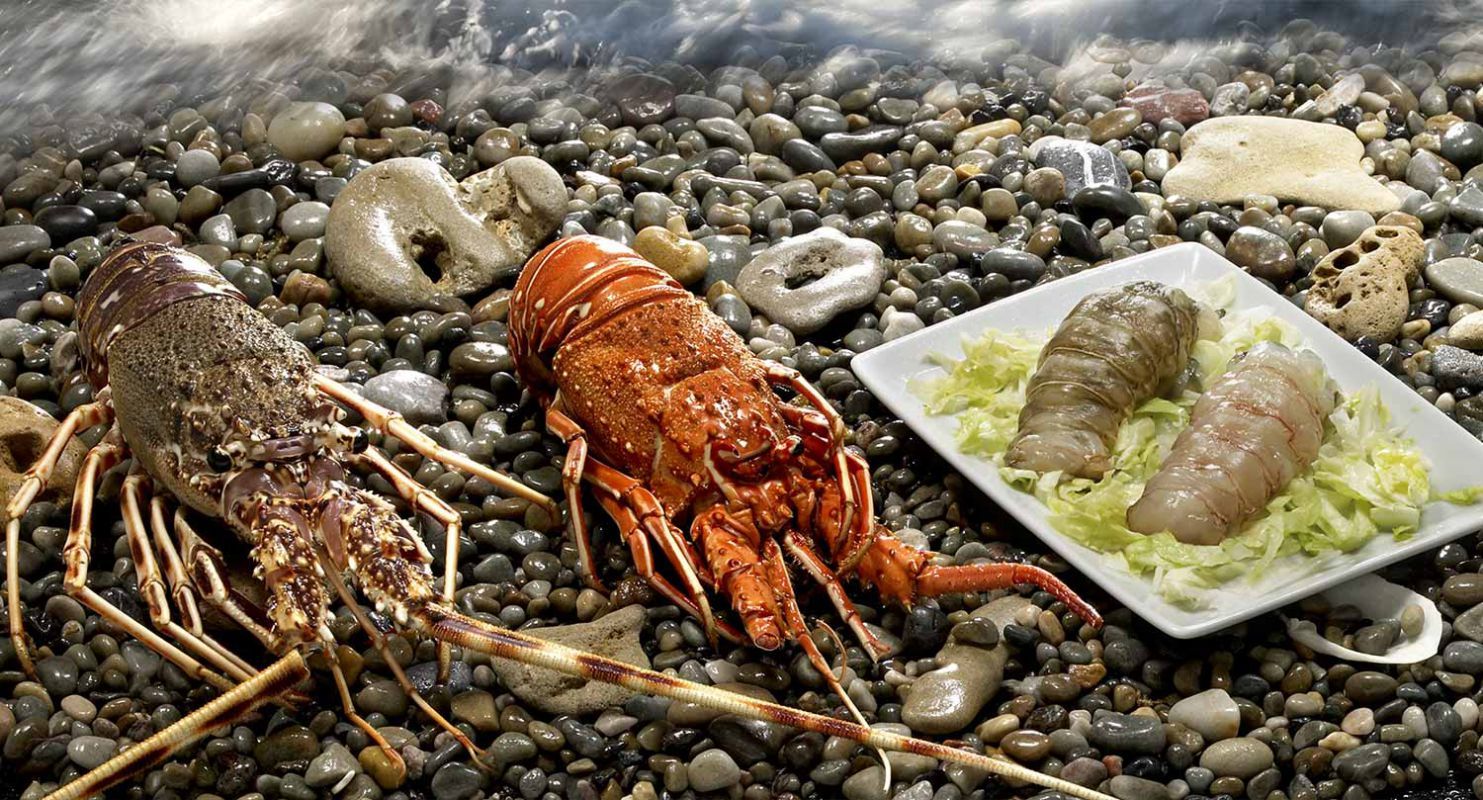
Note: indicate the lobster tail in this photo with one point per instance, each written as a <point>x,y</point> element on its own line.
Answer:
<point>571,286</point>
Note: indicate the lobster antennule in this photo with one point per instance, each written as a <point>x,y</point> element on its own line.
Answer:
<point>448,625</point>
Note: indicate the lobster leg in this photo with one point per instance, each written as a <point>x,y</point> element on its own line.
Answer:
<point>734,560</point>
<point>652,520</point>
<point>183,592</point>
<point>575,438</point>
<point>390,423</point>
<point>643,564</point>
<point>855,505</point>
<point>76,557</point>
<point>152,583</point>
<point>83,417</point>
<point>343,687</point>
<point>207,571</point>
<point>421,499</point>
<point>904,573</point>
<point>802,550</point>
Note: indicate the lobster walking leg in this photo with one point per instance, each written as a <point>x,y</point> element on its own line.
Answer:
<point>652,520</point>
<point>183,591</point>
<point>83,417</point>
<point>152,583</point>
<point>420,498</point>
<point>390,423</point>
<point>643,564</point>
<point>207,571</point>
<point>76,557</point>
<point>855,506</point>
<point>572,469</point>
<point>348,703</point>
<point>802,550</point>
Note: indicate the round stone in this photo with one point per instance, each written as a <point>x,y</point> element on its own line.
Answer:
<point>712,771</point>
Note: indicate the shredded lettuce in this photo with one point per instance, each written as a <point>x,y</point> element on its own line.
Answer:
<point>1368,478</point>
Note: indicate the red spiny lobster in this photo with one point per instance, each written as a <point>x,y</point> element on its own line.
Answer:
<point>223,411</point>
<point>669,416</point>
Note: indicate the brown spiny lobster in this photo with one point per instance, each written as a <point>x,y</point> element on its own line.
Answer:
<point>222,411</point>
<point>670,417</point>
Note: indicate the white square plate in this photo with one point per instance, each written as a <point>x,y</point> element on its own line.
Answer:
<point>1452,454</point>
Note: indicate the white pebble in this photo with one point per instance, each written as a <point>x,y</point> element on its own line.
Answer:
<point>1467,711</point>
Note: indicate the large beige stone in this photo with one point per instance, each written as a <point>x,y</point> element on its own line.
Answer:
<point>24,432</point>
<point>615,636</point>
<point>1363,288</point>
<point>1309,163</point>
<point>403,234</point>
<point>948,699</point>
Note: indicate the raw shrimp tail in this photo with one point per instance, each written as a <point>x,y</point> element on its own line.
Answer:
<point>1254,429</point>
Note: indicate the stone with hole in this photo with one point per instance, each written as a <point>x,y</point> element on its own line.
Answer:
<point>1362,289</point>
<point>403,234</point>
<point>24,432</point>
<point>805,281</point>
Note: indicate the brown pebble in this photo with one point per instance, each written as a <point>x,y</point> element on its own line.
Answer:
<point>1026,747</point>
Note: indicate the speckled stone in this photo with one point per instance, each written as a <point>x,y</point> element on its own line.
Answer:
<point>845,273</point>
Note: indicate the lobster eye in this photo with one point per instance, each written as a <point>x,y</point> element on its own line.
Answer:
<point>218,460</point>
<point>361,441</point>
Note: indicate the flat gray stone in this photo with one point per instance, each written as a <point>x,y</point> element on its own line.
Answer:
<point>17,242</point>
<point>403,233</point>
<point>841,273</point>
<point>419,397</point>
<point>948,699</point>
<point>1458,279</point>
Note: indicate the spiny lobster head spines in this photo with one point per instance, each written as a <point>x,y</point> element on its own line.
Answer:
<point>132,284</point>
<point>571,286</point>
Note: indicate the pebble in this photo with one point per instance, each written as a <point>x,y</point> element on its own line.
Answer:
<point>18,241</point>
<point>195,166</point>
<point>1126,733</point>
<point>89,752</point>
<point>304,131</point>
<point>330,768</point>
<point>304,220</point>
<point>1082,164</point>
<point>1241,757</point>
<point>1458,279</point>
<point>1211,713</point>
<point>1262,253</point>
<point>713,770</point>
<point>685,260</point>
<point>419,397</point>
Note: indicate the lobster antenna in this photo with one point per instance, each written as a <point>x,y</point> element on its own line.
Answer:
<point>834,683</point>
<point>227,708</point>
<point>445,624</point>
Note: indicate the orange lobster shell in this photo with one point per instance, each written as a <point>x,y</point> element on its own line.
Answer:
<point>671,418</point>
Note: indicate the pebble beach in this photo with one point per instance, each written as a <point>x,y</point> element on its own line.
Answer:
<point>822,201</point>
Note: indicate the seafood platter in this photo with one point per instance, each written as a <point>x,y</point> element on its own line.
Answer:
<point>1286,462</point>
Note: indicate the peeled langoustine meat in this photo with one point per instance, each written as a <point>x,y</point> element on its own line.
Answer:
<point>1250,433</point>
<point>1116,349</point>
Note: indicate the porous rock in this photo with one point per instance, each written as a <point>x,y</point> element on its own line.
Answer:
<point>1227,158</point>
<point>615,636</point>
<point>403,233</point>
<point>803,282</point>
<point>24,432</point>
<point>1362,289</point>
